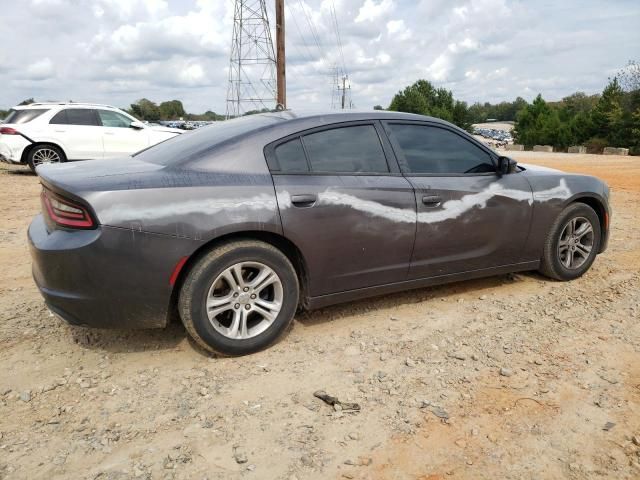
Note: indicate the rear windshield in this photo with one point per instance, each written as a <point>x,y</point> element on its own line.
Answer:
<point>24,116</point>
<point>183,147</point>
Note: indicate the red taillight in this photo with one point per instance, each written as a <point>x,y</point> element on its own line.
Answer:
<point>65,212</point>
<point>8,131</point>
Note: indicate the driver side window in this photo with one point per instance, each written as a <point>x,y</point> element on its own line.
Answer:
<point>435,150</point>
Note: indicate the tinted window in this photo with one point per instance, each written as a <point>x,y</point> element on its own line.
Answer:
<point>113,119</point>
<point>437,150</point>
<point>291,157</point>
<point>81,116</point>
<point>59,118</point>
<point>24,116</point>
<point>189,146</point>
<point>346,150</point>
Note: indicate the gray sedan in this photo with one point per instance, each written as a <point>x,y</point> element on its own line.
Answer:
<point>237,225</point>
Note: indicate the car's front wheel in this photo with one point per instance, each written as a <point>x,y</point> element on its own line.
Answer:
<point>44,154</point>
<point>572,243</point>
<point>239,298</point>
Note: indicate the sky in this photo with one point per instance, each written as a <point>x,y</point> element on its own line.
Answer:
<point>118,51</point>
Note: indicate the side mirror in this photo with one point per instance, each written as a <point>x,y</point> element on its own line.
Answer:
<point>137,125</point>
<point>506,165</point>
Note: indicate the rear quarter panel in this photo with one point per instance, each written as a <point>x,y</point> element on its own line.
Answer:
<point>226,191</point>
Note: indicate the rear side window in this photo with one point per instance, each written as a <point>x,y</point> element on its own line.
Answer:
<point>76,116</point>
<point>113,119</point>
<point>24,116</point>
<point>436,150</point>
<point>189,146</point>
<point>59,118</point>
<point>290,157</point>
<point>354,149</point>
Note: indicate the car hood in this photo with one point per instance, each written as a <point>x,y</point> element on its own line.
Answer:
<point>166,129</point>
<point>537,169</point>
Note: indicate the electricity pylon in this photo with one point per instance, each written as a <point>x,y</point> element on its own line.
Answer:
<point>252,66</point>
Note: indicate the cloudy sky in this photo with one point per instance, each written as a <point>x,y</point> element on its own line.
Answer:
<point>117,51</point>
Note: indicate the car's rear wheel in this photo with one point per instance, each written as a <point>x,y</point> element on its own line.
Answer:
<point>572,243</point>
<point>44,154</point>
<point>239,298</point>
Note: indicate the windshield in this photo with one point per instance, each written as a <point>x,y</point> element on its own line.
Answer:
<point>186,145</point>
<point>24,116</point>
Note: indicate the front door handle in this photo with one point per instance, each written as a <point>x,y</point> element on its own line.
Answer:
<point>431,200</point>
<point>304,200</point>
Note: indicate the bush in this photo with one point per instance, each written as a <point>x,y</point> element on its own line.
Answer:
<point>596,145</point>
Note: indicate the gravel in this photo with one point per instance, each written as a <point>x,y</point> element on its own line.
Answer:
<point>519,377</point>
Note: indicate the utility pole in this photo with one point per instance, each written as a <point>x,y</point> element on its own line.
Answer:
<point>344,89</point>
<point>280,55</point>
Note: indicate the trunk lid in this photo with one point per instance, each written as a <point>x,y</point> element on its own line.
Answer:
<point>95,175</point>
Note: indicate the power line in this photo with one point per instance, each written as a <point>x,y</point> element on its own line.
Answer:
<point>334,17</point>
<point>312,29</point>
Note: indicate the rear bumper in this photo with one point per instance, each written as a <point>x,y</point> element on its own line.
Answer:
<point>105,278</point>
<point>11,148</point>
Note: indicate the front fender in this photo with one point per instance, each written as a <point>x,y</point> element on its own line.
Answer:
<point>551,195</point>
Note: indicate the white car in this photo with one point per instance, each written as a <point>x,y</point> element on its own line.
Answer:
<point>60,132</point>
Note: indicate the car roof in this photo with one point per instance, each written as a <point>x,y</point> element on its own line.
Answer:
<point>290,122</point>
<point>63,104</point>
<point>336,116</point>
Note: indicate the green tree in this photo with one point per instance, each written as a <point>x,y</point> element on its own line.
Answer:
<point>461,116</point>
<point>378,107</point>
<point>172,110</point>
<point>28,101</point>
<point>424,99</point>
<point>539,123</point>
<point>607,113</point>
<point>145,109</point>
<point>206,116</point>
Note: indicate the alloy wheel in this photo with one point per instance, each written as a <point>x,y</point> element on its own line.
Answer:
<point>576,243</point>
<point>45,155</point>
<point>244,300</point>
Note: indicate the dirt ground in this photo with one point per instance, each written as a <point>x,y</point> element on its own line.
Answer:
<point>511,377</point>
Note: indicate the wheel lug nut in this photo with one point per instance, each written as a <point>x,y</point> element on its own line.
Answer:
<point>248,307</point>
<point>246,289</point>
<point>236,294</point>
<point>253,296</point>
<point>237,305</point>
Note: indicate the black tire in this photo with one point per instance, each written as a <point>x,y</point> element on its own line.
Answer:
<point>552,265</point>
<point>195,290</point>
<point>33,163</point>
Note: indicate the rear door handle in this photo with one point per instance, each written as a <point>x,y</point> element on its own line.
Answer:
<point>304,200</point>
<point>431,200</point>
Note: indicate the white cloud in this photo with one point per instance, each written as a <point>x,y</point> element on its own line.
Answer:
<point>193,75</point>
<point>440,68</point>
<point>497,73</point>
<point>372,10</point>
<point>117,51</point>
<point>40,70</point>
<point>472,74</point>
<point>398,30</point>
